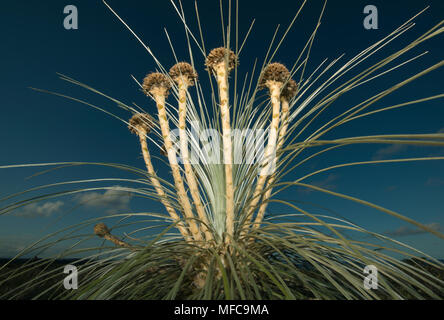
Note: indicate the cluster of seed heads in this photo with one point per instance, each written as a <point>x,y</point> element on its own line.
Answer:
<point>274,72</point>
<point>141,121</point>
<point>220,62</point>
<point>183,71</point>
<point>290,90</point>
<point>218,56</point>
<point>156,83</point>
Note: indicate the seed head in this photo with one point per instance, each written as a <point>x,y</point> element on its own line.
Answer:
<point>290,90</point>
<point>183,70</point>
<point>141,121</point>
<point>157,84</point>
<point>101,230</point>
<point>274,72</point>
<point>218,56</point>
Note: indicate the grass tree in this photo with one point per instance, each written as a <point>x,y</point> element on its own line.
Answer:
<point>218,237</point>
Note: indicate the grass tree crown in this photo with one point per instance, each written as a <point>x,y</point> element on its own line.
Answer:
<point>183,71</point>
<point>141,122</point>
<point>218,56</point>
<point>157,83</point>
<point>290,90</point>
<point>275,72</point>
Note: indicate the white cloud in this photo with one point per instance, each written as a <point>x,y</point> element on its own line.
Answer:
<point>388,151</point>
<point>391,188</point>
<point>434,182</point>
<point>34,210</point>
<point>113,200</point>
<point>9,250</point>
<point>14,244</point>
<point>327,183</point>
<point>409,231</point>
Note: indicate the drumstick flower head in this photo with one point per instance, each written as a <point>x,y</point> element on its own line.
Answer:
<point>101,230</point>
<point>218,56</point>
<point>183,71</point>
<point>290,90</point>
<point>157,83</point>
<point>274,72</point>
<point>141,122</point>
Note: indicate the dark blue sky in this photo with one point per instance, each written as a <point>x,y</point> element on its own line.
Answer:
<point>36,128</point>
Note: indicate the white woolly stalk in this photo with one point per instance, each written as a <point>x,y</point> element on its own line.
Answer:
<point>189,174</point>
<point>222,82</point>
<point>183,198</point>
<point>281,140</point>
<point>270,150</point>
<point>158,187</point>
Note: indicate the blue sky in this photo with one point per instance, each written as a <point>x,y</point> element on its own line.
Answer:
<point>38,128</point>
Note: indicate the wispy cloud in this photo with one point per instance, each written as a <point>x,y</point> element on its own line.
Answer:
<point>391,188</point>
<point>35,210</point>
<point>409,231</point>
<point>112,200</point>
<point>9,250</point>
<point>434,182</point>
<point>388,151</point>
<point>327,183</point>
<point>13,244</point>
<point>438,151</point>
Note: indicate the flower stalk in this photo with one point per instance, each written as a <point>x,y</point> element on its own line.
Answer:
<point>141,125</point>
<point>185,76</point>
<point>288,92</point>
<point>158,85</point>
<point>274,76</point>
<point>220,62</point>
